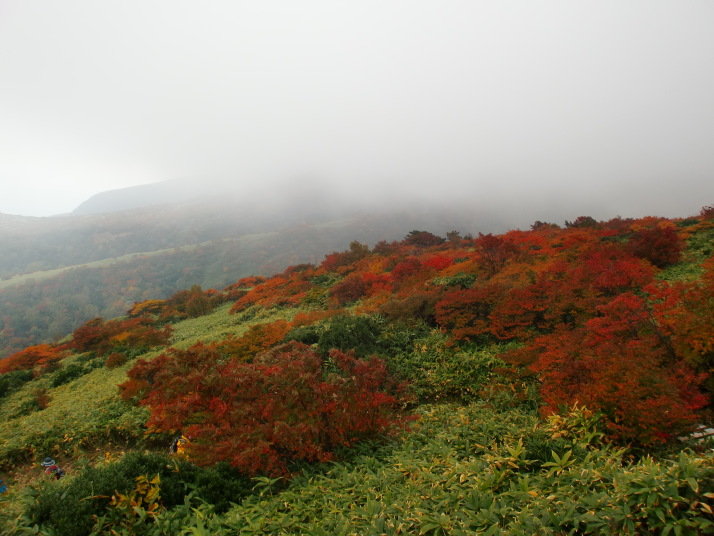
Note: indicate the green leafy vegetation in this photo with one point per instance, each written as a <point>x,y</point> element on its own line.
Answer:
<point>538,382</point>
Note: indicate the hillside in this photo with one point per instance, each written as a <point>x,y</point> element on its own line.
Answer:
<point>541,381</point>
<point>60,272</point>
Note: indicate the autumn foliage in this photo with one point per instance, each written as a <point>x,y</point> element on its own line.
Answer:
<point>131,335</point>
<point>662,246</point>
<point>590,314</point>
<point>583,301</point>
<point>41,356</point>
<point>621,363</point>
<point>262,415</point>
<point>259,338</point>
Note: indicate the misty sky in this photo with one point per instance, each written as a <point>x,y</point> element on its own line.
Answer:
<point>605,106</point>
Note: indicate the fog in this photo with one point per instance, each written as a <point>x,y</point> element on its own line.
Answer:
<point>530,109</point>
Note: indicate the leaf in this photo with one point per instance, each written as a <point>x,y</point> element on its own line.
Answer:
<point>693,484</point>
<point>660,514</point>
<point>427,527</point>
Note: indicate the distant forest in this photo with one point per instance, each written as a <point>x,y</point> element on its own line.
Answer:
<point>150,254</point>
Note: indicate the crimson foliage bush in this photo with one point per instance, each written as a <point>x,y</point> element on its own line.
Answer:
<point>263,415</point>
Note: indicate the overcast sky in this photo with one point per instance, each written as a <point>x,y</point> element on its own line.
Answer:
<point>607,106</point>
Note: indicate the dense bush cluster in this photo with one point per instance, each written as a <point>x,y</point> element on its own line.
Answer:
<point>71,506</point>
<point>283,406</point>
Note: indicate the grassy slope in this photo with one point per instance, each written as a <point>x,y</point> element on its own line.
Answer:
<point>87,407</point>
<point>462,469</point>
<point>43,305</point>
<point>117,261</point>
<point>474,469</point>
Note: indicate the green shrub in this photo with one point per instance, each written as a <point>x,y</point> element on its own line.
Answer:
<point>461,279</point>
<point>437,371</point>
<point>305,334</point>
<point>83,365</point>
<point>462,469</point>
<point>345,332</point>
<point>221,485</point>
<point>30,405</point>
<point>68,505</point>
<point>399,337</point>
<point>86,357</point>
<point>688,222</point>
<point>67,374</point>
<point>701,244</point>
<point>13,380</point>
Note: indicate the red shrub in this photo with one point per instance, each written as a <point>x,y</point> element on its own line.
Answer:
<point>406,269</point>
<point>131,333</point>
<point>147,308</point>
<point>358,285</point>
<point>334,261</point>
<point>190,303</point>
<point>439,262</point>
<point>260,416</point>
<point>659,245</point>
<point>41,355</point>
<point>621,364</point>
<point>466,313</point>
<point>115,360</point>
<point>259,338</point>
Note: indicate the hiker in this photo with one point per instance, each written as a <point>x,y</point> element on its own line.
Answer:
<point>51,468</point>
<point>178,444</point>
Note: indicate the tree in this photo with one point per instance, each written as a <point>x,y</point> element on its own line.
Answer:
<point>422,238</point>
<point>357,251</point>
<point>494,252</point>
<point>542,225</point>
<point>454,237</point>
<point>581,221</point>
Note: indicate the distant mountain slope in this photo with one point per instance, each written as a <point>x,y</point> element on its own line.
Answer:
<point>80,267</point>
<point>142,196</point>
<point>31,245</point>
